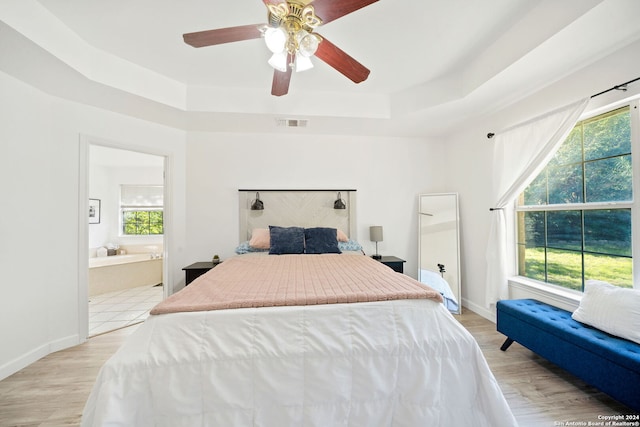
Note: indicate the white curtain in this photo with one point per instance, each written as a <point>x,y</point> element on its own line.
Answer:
<point>519,155</point>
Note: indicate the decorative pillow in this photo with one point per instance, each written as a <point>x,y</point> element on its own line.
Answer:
<point>342,237</point>
<point>321,240</point>
<point>611,309</point>
<point>286,240</point>
<point>260,238</point>
<point>350,245</point>
<point>245,248</point>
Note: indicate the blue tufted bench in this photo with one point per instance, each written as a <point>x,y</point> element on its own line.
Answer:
<point>608,363</point>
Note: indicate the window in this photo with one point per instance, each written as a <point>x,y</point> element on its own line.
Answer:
<point>574,221</point>
<point>141,209</point>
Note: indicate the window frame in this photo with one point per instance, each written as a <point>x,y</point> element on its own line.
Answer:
<point>633,205</point>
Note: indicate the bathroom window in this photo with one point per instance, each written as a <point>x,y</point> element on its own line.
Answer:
<point>141,208</point>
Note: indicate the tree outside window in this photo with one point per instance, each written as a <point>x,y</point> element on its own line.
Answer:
<point>142,222</point>
<point>575,219</point>
<point>141,207</point>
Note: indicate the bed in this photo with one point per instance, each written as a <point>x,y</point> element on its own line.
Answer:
<point>331,338</point>
<point>396,362</point>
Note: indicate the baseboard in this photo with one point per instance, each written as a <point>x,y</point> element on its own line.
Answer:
<point>479,309</point>
<point>36,354</point>
<point>63,343</point>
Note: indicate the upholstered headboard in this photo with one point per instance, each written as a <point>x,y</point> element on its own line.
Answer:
<point>301,208</point>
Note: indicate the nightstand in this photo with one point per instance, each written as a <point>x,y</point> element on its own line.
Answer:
<point>196,270</point>
<point>395,263</point>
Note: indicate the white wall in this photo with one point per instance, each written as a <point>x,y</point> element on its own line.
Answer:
<point>39,226</point>
<point>388,174</point>
<point>470,164</point>
<point>99,189</point>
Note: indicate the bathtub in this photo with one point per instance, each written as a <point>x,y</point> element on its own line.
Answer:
<point>120,272</point>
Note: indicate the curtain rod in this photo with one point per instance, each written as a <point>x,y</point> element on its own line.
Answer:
<point>621,86</point>
<point>293,189</point>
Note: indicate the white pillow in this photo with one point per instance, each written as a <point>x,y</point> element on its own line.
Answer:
<point>611,309</point>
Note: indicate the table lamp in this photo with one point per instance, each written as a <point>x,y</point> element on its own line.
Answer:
<point>375,235</point>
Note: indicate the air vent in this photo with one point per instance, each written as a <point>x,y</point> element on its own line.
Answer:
<point>292,123</point>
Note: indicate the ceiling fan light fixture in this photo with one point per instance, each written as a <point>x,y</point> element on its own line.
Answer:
<point>279,61</point>
<point>275,39</point>
<point>303,63</point>
<point>307,43</point>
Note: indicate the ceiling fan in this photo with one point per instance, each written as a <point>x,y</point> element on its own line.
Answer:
<point>291,37</point>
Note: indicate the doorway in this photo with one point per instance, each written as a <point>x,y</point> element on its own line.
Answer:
<point>125,240</point>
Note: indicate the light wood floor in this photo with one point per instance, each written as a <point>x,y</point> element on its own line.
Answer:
<point>52,391</point>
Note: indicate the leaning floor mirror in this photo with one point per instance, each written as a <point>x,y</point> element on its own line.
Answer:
<point>439,246</point>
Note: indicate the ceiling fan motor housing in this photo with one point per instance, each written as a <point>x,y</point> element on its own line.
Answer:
<point>293,16</point>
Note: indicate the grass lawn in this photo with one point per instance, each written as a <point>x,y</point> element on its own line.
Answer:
<point>564,268</point>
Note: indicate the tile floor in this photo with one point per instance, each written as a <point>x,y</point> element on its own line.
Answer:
<point>118,309</point>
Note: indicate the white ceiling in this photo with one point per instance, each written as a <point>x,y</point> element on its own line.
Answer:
<point>433,63</point>
<point>149,33</point>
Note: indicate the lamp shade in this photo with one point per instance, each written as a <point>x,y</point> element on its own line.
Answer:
<point>275,39</point>
<point>375,233</point>
<point>303,63</point>
<point>279,61</point>
<point>307,43</point>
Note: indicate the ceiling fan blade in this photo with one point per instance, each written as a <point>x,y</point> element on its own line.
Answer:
<point>330,10</point>
<point>280,84</point>
<point>338,59</point>
<point>223,35</point>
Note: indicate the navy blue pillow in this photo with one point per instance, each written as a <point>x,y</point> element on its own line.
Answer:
<point>286,240</point>
<point>321,240</point>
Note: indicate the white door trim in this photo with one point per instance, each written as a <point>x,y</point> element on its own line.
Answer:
<point>83,225</point>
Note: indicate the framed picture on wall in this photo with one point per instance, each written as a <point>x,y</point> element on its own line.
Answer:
<point>94,211</point>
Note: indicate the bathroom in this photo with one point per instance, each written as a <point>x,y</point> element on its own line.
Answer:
<point>126,240</point>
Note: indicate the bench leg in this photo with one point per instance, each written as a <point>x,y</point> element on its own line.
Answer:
<point>506,344</point>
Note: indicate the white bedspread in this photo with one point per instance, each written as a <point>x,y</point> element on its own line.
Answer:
<point>392,363</point>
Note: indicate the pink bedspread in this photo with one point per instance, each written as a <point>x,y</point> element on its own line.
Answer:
<point>270,280</point>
